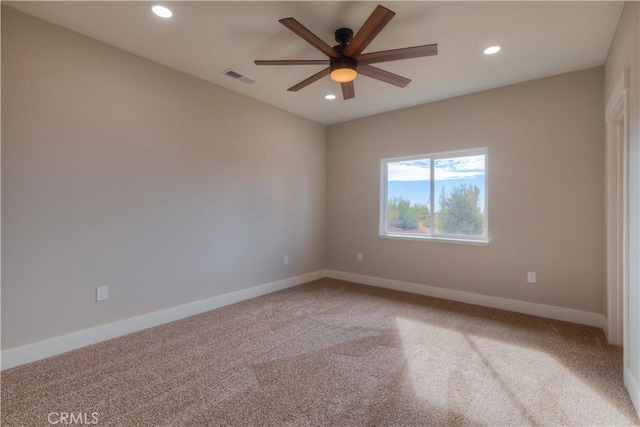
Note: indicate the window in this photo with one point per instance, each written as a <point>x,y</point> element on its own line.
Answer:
<point>437,196</point>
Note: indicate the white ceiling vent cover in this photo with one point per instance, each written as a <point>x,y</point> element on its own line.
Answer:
<point>236,75</point>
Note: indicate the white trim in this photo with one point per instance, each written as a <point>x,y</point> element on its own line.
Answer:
<point>616,183</point>
<point>422,238</point>
<point>632,388</point>
<point>534,309</point>
<point>58,345</point>
<point>614,99</point>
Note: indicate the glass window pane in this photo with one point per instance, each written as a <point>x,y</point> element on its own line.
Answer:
<point>460,195</point>
<point>408,197</point>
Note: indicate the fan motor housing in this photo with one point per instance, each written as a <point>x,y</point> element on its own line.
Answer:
<point>344,62</point>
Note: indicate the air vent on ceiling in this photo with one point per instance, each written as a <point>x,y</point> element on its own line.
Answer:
<point>235,75</point>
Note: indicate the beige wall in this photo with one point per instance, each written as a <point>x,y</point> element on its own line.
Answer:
<point>545,186</point>
<point>625,54</point>
<point>117,171</point>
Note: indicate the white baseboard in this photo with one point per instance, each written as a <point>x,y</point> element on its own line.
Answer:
<point>632,388</point>
<point>58,345</point>
<point>534,309</point>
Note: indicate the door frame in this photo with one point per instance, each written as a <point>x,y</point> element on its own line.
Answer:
<point>617,231</point>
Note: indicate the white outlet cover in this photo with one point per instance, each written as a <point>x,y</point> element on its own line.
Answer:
<point>102,293</point>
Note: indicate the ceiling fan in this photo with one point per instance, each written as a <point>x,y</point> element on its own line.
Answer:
<point>346,60</point>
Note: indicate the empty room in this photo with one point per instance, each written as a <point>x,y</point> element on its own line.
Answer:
<point>319,213</point>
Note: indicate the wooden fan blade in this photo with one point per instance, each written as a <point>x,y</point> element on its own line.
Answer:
<point>306,82</point>
<point>396,54</point>
<point>292,62</point>
<point>348,90</point>
<point>309,37</point>
<point>382,75</point>
<point>378,19</point>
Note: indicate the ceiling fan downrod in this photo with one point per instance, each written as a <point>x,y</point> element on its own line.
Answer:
<point>343,36</point>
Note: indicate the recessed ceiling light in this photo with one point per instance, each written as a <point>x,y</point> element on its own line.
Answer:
<point>330,97</point>
<point>491,50</point>
<point>162,11</point>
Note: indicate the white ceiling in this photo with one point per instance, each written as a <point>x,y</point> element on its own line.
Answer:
<point>204,39</point>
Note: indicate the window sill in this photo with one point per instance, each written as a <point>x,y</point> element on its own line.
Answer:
<point>473,242</point>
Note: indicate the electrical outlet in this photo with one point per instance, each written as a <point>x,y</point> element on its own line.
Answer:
<point>102,293</point>
<point>359,256</point>
<point>531,277</point>
<point>286,259</point>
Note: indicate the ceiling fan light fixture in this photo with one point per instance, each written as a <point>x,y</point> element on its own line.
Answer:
<point>344,75</point>
<point>343,70</point>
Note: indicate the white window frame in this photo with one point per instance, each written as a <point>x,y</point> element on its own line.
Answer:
<point>470,240</point>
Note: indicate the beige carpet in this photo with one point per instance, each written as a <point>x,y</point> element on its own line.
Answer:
<point>331,353</point>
